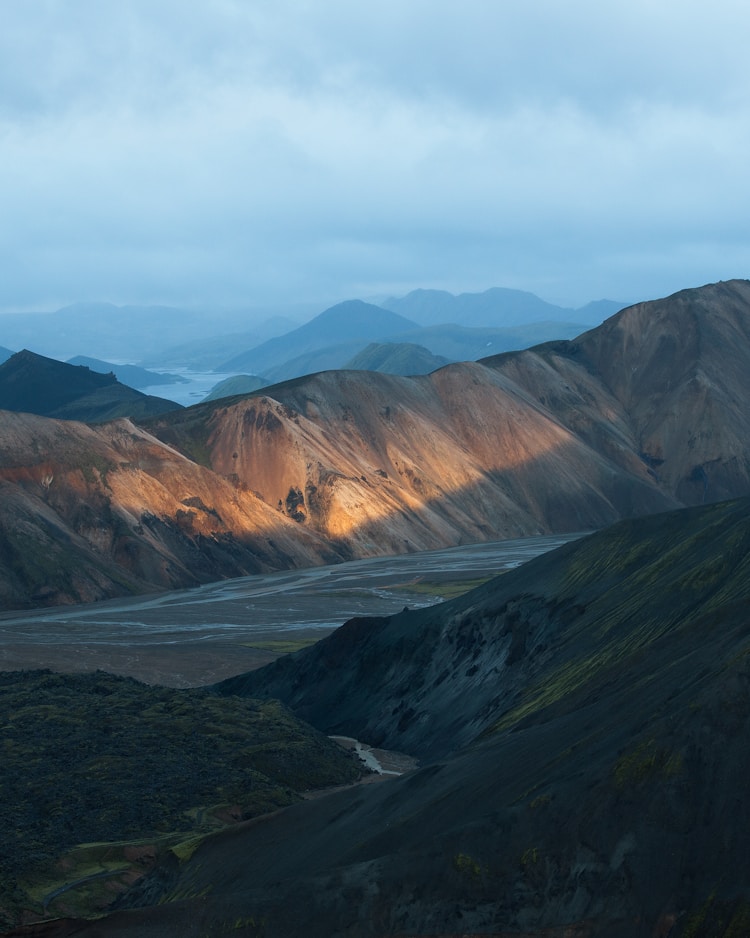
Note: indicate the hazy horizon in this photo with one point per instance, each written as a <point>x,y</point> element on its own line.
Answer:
<point>299,311</point>
<point>262,156</point>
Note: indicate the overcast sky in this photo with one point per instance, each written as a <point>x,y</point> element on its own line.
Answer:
<point>267,152</point>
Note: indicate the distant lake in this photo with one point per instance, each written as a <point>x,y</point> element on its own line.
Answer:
<point>198,385</point>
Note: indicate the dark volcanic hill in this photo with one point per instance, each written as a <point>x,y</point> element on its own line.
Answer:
<point>237,384</point>
<point>644,413</point>
<point>430,681</point>
<point>396,358</point>
<point>583,721</point>
<point>132,375</point>
<point>34,384</point>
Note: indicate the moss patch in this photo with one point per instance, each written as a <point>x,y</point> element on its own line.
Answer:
<point>94,757</point>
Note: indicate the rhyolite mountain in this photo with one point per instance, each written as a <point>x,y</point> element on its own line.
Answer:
<point>644,413</point>
<point>33,384</point>
<point>582,722</point>
<point>88,512</point>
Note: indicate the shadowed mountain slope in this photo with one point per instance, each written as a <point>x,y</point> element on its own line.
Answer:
<point>37,385</point>
<point>605,794</point>
<point>431,680</point>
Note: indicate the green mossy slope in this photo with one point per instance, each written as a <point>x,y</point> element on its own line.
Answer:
<point>96,757</point>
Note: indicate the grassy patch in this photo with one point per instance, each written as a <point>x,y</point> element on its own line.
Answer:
<point>467,865</point>
<point>646,761</point>
<point>446,589</point>
<point>282,646</point>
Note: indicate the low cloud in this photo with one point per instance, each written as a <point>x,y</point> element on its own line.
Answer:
<point>256,154</point>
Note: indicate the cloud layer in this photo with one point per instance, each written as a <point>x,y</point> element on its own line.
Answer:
<point>262,153</point>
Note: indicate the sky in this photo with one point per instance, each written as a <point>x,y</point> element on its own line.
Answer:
<point>266,153</point>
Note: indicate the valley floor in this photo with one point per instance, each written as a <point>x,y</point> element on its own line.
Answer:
<point>194,637</point>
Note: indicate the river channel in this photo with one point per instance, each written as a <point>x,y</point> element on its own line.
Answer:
<point>197,636</point>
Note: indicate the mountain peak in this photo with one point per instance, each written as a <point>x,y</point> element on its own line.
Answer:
<point>354,315</point>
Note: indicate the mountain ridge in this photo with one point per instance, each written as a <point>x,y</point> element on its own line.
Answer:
<point>493,307</point>
<point>342,464</point>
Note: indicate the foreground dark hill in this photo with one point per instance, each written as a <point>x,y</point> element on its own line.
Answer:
<point>110,773</point>
<point>37,385</point>
<point>645,413</point>
<point>605,792</point>
<point>430,681</point>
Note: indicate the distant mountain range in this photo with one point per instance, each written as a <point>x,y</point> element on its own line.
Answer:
<point>642,414</point>
<point>495,308</point>
<point>139,334</point>
<point>163,337</point>
<point>335,337</point>
<point>351,322</point>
